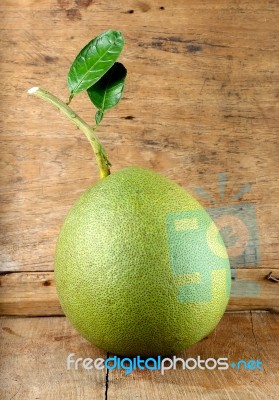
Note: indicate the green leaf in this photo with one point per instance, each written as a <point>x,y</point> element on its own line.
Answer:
<point>94,60</point>
<point>107,92</point>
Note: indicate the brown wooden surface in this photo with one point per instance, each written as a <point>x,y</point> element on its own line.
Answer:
<point>201,99</point>
<point>34,293</point>
<point>33,361</point>
<point>34,353</point>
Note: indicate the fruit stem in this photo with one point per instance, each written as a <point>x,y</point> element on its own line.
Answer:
<point>99,151</point>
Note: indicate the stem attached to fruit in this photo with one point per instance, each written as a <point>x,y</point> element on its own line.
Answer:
<point>101,157</point>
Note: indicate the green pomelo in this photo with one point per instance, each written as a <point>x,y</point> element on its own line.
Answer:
<point>140,267</point>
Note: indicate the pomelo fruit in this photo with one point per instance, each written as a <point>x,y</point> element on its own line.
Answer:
<point>140,267</point>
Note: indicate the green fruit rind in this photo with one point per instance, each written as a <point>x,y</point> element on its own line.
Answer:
<point>140,267</point>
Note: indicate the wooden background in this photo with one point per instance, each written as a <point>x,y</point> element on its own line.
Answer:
<point>201,106</point>
<point>202,98</point>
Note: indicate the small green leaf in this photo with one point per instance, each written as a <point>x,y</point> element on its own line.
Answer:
<point>107,92</point>
<point>99,116</point>
<point>94,60</point>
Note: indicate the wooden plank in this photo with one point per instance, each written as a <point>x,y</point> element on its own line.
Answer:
<point>34,294</point>
<point>243,336</point>
<point>33,361</point>
<point>252,291</point>
<point>34,352</point>
<point>200,100</point>
<point>29,294</point>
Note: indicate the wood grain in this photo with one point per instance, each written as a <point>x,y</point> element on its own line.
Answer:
<point>34,293</point>
<point>33,361</point>
<point>238,337</point>
<point>201,98</point>
<point>201,107</point>
<point>34,352</point>
<point>29,294</point>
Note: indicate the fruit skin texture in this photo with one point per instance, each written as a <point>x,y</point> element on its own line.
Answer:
<point>140,268</point>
